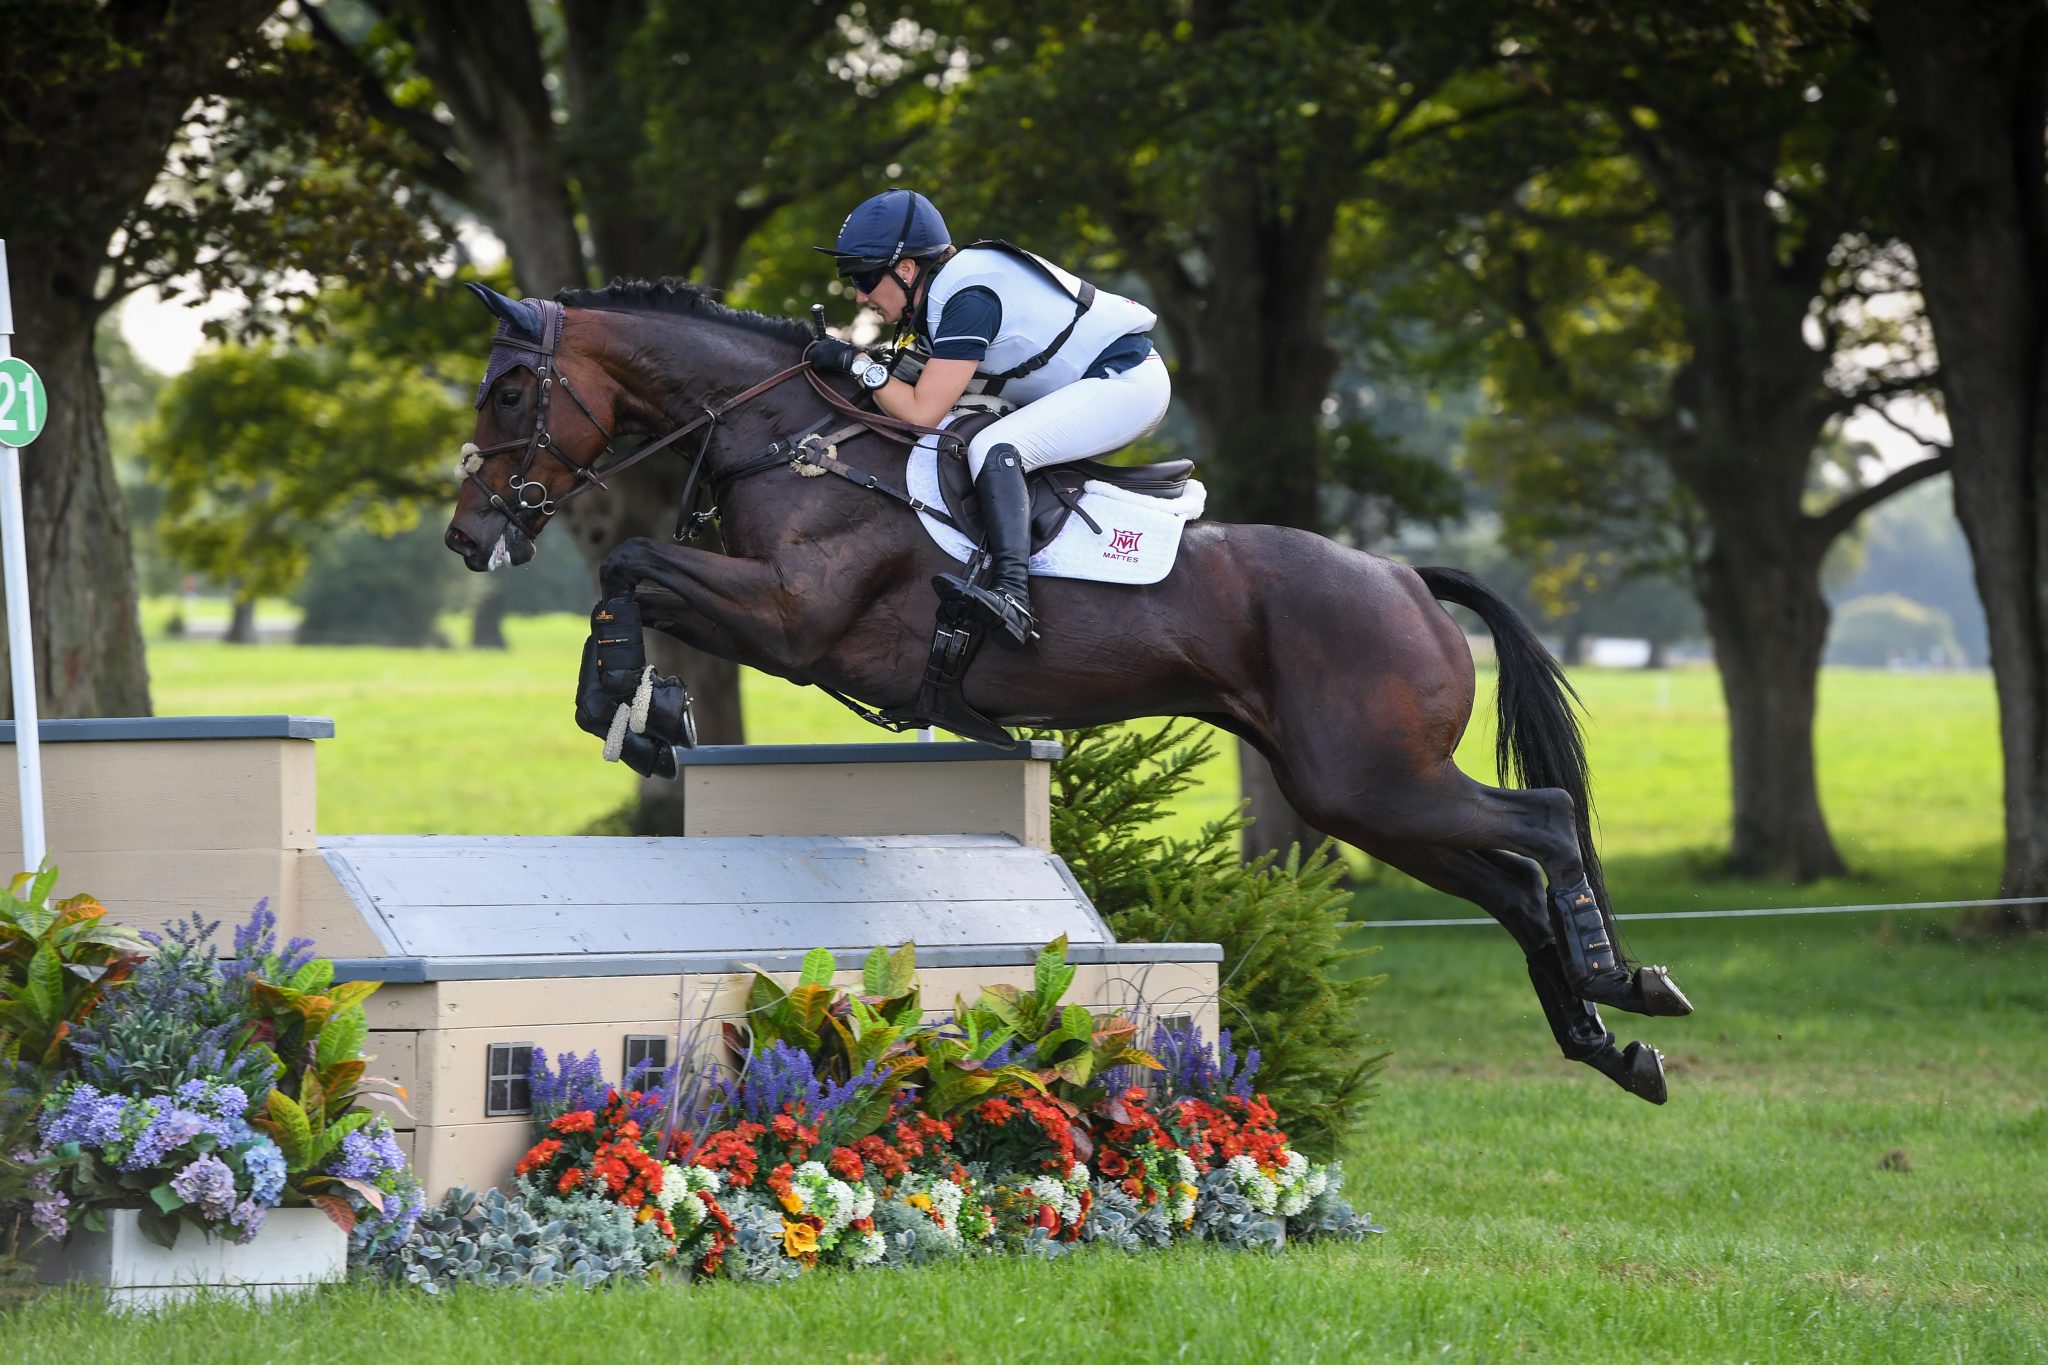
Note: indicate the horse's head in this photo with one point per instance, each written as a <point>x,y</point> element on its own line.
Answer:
<point>530,448</point>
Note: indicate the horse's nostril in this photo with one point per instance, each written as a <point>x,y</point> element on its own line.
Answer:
<point>459,541</point>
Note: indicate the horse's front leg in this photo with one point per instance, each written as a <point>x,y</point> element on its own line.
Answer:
<point>733,608</point>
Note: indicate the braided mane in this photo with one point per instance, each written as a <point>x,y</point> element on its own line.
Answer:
<point>681,298</point>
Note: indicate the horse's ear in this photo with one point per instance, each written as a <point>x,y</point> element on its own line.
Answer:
<point>521,315</point>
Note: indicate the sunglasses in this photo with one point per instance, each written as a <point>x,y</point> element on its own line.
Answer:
<point>866,280</point>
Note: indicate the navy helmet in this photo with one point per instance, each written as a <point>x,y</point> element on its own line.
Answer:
<point>891,226</point>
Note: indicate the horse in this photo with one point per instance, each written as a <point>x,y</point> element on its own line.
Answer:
<point>1338,666</point>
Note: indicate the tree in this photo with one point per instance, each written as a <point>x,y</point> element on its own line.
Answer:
<point>141,142</point>
<point>663,134</point>
<point>263,450</point>
<point>1678,253</point>
<point>1209,147</point>
<point>1971,82</point>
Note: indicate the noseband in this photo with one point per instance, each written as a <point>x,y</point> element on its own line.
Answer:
<point>532,504</point>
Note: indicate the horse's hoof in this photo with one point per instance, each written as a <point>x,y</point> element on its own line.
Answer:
<point>1638,1069</point>
<point>1649,990</point>
<point>1660,994</point>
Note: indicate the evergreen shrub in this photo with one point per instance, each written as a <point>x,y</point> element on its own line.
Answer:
<point>1289,985</point>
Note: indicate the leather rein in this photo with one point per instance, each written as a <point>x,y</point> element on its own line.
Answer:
<point>802,450</point>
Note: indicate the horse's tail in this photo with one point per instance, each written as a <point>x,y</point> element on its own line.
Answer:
<point>1539,743</point>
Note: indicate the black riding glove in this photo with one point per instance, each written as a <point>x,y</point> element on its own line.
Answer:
<point>830,355</point>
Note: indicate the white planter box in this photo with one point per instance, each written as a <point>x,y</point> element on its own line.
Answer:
<point>296,1248</point>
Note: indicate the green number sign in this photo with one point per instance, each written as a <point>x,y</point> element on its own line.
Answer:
<point>24,404</point>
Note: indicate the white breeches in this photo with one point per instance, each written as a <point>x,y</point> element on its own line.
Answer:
<point>1088,417</point>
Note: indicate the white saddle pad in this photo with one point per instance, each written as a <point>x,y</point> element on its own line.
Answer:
<point>1139,540</point>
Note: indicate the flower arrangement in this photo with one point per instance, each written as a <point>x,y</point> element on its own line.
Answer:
<point>204,1091</point>
<point>850,1137</point>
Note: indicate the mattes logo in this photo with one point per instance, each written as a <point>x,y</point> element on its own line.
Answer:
<point>1123,545</point>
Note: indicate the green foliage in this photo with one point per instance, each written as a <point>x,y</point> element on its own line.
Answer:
<point>56,963</point>
<point>1065,1047</point>
<point>1289,986</point>
<point>1876,630</point>
<point>366,589</point>
<point>491,1241</point>
<point>260,452</point>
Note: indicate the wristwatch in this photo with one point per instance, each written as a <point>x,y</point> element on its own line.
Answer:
<point>873,376</point>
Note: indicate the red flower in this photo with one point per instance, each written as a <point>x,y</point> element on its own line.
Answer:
<point>846,1164</point>
<point>1111,1164</point>
<point>575,1121</point>
<point>1047,1218</point>
<point>997,1112</point>
<point>571,1178</point>
<point>542,1153</point>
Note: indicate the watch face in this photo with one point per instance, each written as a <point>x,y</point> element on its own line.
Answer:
<point>874,376</point>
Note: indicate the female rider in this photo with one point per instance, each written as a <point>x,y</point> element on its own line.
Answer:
<point>1075,359</point>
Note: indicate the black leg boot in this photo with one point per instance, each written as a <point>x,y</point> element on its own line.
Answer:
<point>1006,510</point>
<point>1593,963</point>
<point>1581,1036</point>
<point>640,717</point>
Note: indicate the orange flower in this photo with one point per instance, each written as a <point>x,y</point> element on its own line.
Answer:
<point>799,1239</point>
<point>542,1153</point>
<point>792,1204</point>
<point>571,1178</point>
<point>920,1201</point>
<point>575,1121</point>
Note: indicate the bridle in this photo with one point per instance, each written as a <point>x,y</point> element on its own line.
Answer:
<point>532,502</point>
<point>524,513</point>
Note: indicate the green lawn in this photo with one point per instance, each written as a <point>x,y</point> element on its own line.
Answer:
<point>1851,1166</point>
<point>462,741</point>
<point>1533,1211</point>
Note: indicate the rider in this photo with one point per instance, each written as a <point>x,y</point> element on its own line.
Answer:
<point>1075,359</point>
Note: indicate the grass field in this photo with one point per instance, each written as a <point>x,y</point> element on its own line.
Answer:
<point>462,741</point>
<point>1851,1169</point>
<point>1852,1166</point>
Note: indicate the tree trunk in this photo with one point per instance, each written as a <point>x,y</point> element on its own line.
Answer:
<point>82,594</point>
<point>1659,656</point>
<point>241,622</point>
<point>1760,588</point>
<point>1971,106</point>
<point>487,620</point>
<point>1578,645</point>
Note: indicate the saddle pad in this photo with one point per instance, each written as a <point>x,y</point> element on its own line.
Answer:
<point>1140,535</point>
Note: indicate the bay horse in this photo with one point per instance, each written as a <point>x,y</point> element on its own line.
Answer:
<point>1336,665</point>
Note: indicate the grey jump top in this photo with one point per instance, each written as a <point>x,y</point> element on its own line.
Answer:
<point>105,729</point>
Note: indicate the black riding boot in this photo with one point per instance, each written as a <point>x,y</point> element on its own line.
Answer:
<point>1593,964</point>
<point>1006,511</point>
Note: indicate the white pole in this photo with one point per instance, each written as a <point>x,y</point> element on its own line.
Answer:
<point>21,651</point>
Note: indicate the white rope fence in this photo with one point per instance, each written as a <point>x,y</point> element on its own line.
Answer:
<point>1768,912</point>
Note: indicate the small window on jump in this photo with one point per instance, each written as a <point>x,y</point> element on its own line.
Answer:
<point>1176,1023</point>
<point>646,1057</point>
<point>508,1080</point>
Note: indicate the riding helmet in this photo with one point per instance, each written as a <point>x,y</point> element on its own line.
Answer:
<point>887,228</point>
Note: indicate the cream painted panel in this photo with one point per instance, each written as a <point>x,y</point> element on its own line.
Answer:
<point>867,798</point>
<point>173,794</point>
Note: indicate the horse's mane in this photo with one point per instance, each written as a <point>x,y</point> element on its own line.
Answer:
<point>681,298</point>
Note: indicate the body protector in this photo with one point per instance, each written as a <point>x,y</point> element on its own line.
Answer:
<point>1054,324</point>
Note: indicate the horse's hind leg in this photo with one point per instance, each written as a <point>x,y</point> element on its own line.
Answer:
<point>1511,889</point>
<point>1438,806</point>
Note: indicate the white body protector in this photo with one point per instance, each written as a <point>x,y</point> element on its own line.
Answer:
<point>1038,301</point>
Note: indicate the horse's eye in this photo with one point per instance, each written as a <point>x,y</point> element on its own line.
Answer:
<point>508,398</point>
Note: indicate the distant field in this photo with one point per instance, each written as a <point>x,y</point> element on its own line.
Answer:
<point>463,741</point>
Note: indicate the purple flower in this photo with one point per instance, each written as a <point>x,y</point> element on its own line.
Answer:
<point>1194,1068</point>
<point>580,1084</point>
<point>247,1218</point>
<point>81,1115</point>
<point>256,946</point>
<point>207,1183</point>
<point>48,1215</point>
<point>366,1154</point>
<point>265,1166</point>
<point>783,1076</point>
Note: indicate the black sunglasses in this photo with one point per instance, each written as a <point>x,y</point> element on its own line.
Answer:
<point>866,280</point>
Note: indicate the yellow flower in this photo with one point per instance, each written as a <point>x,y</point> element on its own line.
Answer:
<point>645,1215</point>
<point>798,1239</point>
<point>792,1204</point>
<point>920,1201</point>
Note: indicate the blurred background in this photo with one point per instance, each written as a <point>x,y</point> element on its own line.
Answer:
<point>1712,333</point>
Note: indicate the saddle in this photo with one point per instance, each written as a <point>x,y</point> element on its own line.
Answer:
<point>1055,489</point>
